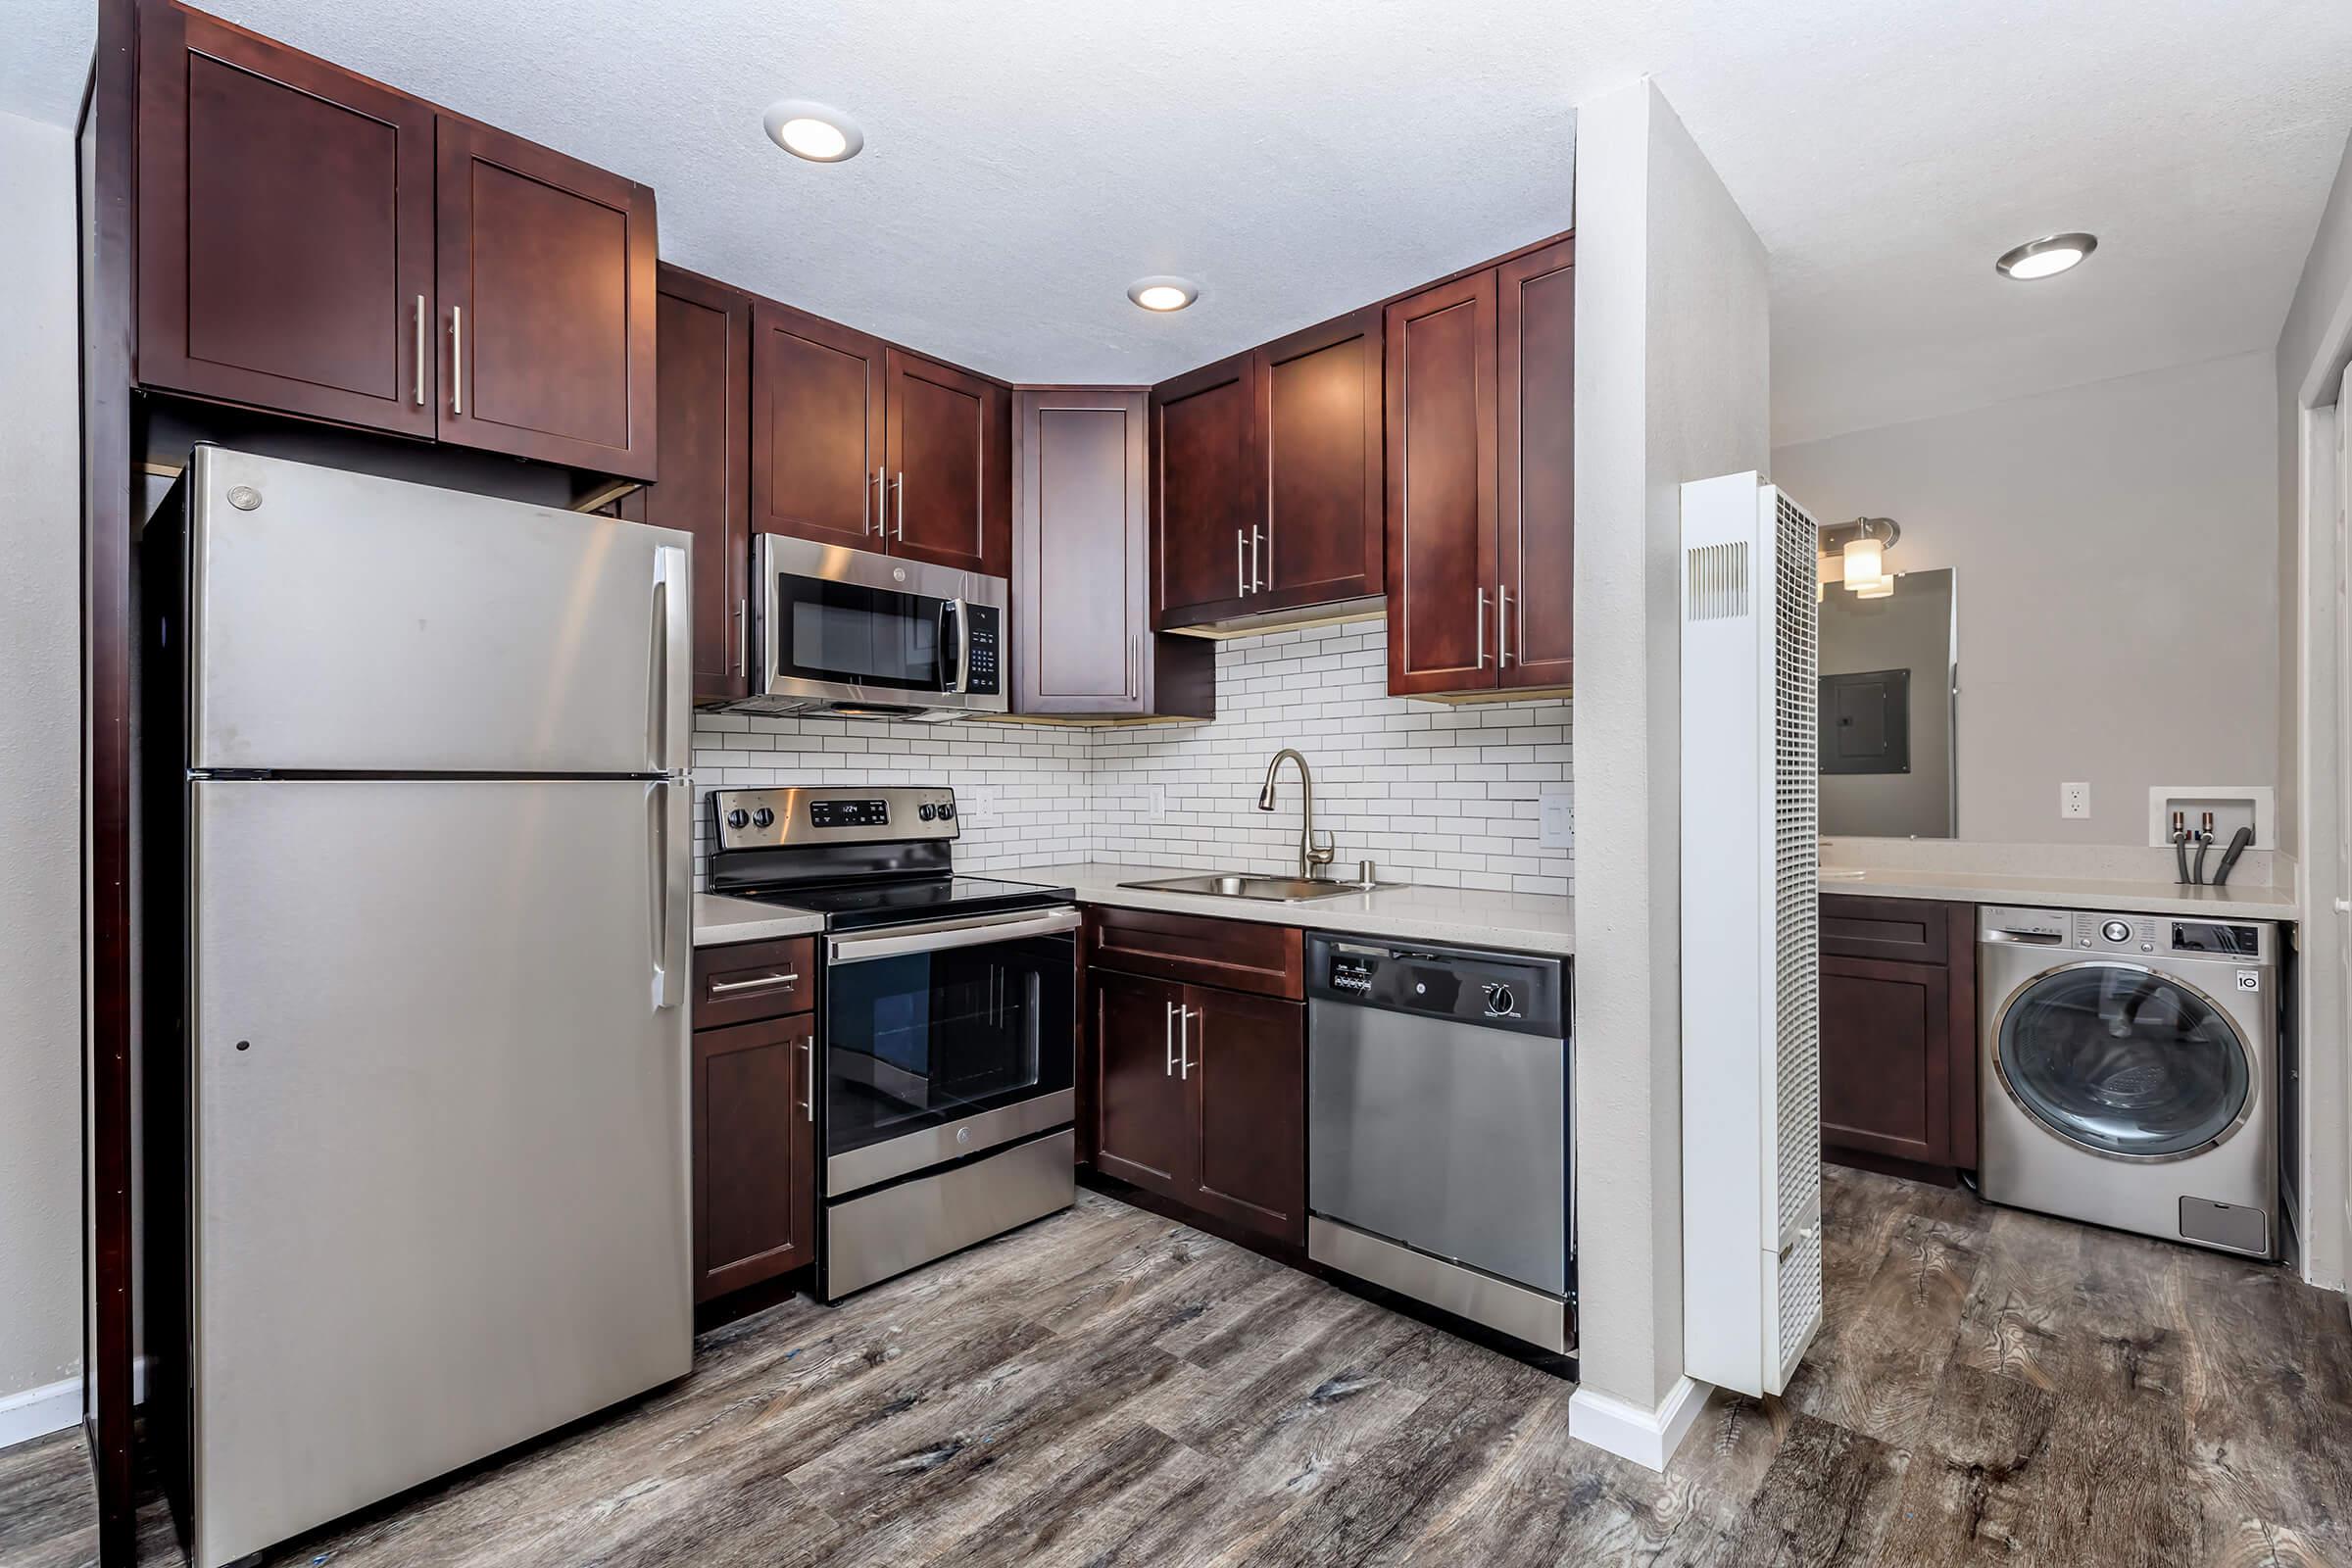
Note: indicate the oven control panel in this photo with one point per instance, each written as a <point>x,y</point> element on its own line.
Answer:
<point>986,677</point>
<point>786,819</point>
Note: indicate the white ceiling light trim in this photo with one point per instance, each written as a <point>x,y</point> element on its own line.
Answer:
<point>1163,293</point>
<point>2047,256</point>
<point>819,133</point>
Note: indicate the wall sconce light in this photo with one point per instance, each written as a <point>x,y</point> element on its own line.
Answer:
<point>1861,548</point>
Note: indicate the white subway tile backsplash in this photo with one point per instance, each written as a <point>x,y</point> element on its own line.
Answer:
<point>1437,795</point>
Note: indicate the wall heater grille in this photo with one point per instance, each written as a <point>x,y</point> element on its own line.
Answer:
<point>1750,961</point>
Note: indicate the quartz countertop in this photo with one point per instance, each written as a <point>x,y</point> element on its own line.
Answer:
<point>719,921</point>
<point>2041,891</point>
<point>1473,917</point>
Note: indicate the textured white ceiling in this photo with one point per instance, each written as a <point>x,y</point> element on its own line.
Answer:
<point>1026,159</point>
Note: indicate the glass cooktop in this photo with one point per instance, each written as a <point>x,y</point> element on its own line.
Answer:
<point>906,900</point>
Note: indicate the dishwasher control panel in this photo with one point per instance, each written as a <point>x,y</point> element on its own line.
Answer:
<point>1500,990</point>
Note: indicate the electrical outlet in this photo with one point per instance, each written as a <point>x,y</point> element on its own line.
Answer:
<point>2074,800</point>
<point>1160,803</point>
<point>1556,820</point>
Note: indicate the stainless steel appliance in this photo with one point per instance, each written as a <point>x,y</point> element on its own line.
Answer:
<point>2130,1072</point>
<point>948,1012</point>
<point>427,751</point>
<point>1437,1103</point>
<point>850,631</point>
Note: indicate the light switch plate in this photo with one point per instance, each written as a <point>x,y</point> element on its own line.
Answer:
<point>1555,818</point>
<point>2074,800</point>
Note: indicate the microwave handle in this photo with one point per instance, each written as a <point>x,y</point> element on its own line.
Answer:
<point>961,614</point>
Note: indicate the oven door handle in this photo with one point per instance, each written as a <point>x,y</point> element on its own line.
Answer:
<point>942,934</point>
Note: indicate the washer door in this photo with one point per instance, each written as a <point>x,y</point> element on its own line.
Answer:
<point>2124,1062</point>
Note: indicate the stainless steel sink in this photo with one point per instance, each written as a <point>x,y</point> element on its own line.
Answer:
<point>1273,889</point>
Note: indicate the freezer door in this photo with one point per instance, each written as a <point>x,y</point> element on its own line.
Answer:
<point>438,1130</point>
<point>346,623</point>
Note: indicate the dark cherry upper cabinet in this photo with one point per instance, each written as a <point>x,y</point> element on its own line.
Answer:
<point>818,469</point>
<point>1480,479</point>
<point>1318,415</point>
<point>1083,643</point>
<point>755,1153</point>
<point>1536,432</point>
<point>285,229</point>
<point>1898,1031</point>
<point>949,447</point>
<point>1143,1114</point>
<point>546,285</point>
<point>1245,1057</point>
<point>1442,542</point>
<point>705,489</point>
<point>1209,492</point>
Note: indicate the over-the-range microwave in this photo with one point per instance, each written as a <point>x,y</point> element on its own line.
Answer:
<point>851,632</point>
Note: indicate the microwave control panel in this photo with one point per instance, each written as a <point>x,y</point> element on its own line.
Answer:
<point>986,676</point>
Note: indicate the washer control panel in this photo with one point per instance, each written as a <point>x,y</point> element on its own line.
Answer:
<point>2117,933</point>
<point>2107,933</point>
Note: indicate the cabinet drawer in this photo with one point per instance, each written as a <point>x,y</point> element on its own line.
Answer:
<point>1903,930</point>
<point>1196,950</point>
<point>746,981</point>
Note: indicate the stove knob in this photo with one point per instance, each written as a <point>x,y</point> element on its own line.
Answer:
<point>764,818</point>
<point>926,812</point>
<point>947,810</point>
<point>739,818</point>
<point>2116,931</point>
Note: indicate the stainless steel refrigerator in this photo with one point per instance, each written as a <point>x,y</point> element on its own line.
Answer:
<point>437,867</point>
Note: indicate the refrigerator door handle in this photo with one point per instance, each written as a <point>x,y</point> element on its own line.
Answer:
<point>670,870</point>
<point>670,663</point>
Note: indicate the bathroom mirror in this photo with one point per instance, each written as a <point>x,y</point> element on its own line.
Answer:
<point>1889,679</point>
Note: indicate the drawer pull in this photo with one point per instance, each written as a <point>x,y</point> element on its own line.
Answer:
<point>763,982</point>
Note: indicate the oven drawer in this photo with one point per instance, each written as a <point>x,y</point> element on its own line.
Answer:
<point>1198,949</point>
<point>745,982</point>
<point>889,1230</point>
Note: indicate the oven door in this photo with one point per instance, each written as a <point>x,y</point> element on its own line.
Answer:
<point>945,1038</point>
<point>848,628</point>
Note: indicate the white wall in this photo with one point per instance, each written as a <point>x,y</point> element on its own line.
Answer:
<point>1671,383</point>
<point>41,707</point>
<point>1438,795</point>
<point>2114,549</point>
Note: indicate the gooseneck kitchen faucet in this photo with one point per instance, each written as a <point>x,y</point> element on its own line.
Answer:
<point>1310,856</point>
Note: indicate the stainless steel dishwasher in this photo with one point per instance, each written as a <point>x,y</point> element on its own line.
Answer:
<point>1438,1103</point>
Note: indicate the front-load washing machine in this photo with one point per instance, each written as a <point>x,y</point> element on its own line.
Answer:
<point>2130,1071</point>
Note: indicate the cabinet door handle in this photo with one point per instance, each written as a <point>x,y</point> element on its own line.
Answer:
<point>870,507</point>
<point>897,486</point>
<point>421,351</point>
<point>808,1077</point>
<point>1502,625</point>
<point>1241,564</point>
<point>742,636</point>
<point>764,982</point>
<point>1183,1042</point>
<point>1168,1033</point>
<point>456,359</point>
<point>1523,624</point>
<point>1481,628</point>
<point>1257,577</point>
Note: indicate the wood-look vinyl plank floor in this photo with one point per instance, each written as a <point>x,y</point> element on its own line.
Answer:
<point>1112,1390</point>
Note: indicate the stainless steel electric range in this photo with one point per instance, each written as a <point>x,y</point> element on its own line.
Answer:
<point>947,1015</point>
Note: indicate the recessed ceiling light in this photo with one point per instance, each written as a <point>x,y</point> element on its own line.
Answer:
<point>819,133</point>
<point>1163,293</point>
<point>2047,256</point>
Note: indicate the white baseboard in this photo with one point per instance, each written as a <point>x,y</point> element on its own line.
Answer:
<point>38,1412</point>
<point>1648,1437</point>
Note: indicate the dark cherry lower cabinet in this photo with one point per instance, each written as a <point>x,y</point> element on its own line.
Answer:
<point>754,1128</point>
<point>1899,1032</point>
<point>1200,1095</point>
